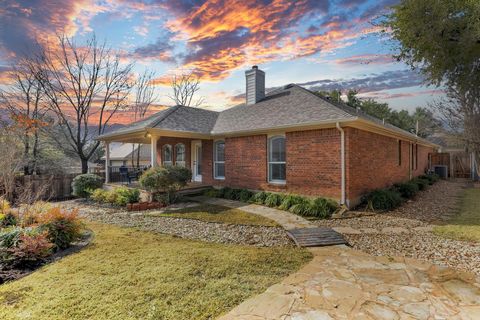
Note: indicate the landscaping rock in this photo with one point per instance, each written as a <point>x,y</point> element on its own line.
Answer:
<point>260,236</point>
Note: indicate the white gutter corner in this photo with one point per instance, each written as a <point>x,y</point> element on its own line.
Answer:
<point>342,160</point>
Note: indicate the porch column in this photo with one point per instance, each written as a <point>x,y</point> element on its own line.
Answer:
<point>107,162</point>
<point>153,151</point>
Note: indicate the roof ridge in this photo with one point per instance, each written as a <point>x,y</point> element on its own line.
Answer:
<point>157,121</point>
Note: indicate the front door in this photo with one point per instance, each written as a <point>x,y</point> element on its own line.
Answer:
<point>197,161</point>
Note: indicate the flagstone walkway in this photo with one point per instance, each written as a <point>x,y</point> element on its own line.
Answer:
<point>342,283</point>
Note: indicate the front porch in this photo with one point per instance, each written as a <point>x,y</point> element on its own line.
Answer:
<point>166,149</point>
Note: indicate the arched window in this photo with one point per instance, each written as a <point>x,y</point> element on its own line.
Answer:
<point>180,154</point>
<point>276,159</point>
<point>167,155</point>
<point>219,159</point>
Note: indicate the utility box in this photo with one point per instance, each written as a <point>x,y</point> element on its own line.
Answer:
<point>441,171</point>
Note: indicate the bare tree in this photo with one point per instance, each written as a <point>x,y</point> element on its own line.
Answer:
<point>11,151</point>
<point>145,96</point>
<point>85,87</point>
<point>460,112</point>
<point>25,102</point>
<point>184,88</point>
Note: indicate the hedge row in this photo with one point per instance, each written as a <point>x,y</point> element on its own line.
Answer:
<point>318,208</point>
<point>390,198</point>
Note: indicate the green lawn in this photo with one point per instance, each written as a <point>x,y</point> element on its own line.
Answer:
<point>466,224</point>
<point>130,274</point>
<point>214,213</point>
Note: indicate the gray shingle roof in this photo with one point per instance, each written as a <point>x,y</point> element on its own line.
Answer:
<point>287,106</point>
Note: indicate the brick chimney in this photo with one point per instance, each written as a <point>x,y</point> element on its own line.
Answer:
<point>255,85</point>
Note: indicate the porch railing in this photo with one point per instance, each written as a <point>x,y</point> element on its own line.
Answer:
<point>125,174</point>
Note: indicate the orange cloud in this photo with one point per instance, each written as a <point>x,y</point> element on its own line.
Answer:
<point>223,37</point>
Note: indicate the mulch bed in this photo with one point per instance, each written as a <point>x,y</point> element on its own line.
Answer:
<point>10,274</point>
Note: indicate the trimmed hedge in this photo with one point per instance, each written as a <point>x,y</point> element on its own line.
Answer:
<point>388,199</point>
<point>383,199</point>
<point>318,208</point>
<point>407,189</point>
<point>118,196</point>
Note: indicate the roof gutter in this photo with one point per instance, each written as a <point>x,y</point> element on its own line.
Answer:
<point>342,161</point>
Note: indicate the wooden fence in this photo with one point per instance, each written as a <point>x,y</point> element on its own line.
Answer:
<point>56,187</point>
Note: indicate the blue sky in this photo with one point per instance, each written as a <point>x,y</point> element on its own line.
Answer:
<point>320,44</point>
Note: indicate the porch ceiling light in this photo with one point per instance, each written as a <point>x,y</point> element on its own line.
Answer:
<point>148,135</point>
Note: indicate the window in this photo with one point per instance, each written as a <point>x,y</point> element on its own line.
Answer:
<point>276,160</point>
<point>219,160</point>
<point>167,155</point>
<point>180,155</point>
<point>399,152</point>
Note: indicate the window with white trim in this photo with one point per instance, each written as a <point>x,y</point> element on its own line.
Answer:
<point>167,155</point>
<point>180,155</point>
<point>276,159</point>
<point>219,160</point>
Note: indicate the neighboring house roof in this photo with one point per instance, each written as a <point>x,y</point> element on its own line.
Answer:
<point>285,107</point>
<point>124,152</point>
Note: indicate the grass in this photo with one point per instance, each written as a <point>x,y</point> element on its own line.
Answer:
<point>130,274</point>
<point>466,224</point>
<point>214,213</point>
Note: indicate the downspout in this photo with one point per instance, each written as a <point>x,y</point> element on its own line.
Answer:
<point>342,161</point>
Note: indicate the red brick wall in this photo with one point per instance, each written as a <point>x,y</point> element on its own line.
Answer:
<point>313,163</point>
<point>372,162</point>
<point>173,141</point>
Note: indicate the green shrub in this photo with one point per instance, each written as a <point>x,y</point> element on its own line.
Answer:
<point>302,208</point>
<point>383,199</point>
<point>273,200</point>
<point>62,226</point>
<point>213,193</point>
<point>236,194</point>
<point>8,219</point>
<point>430,177</point>
<point>126,195</point>
<point>421,183</point>
<point>407,190</point>
<point>24,247</point>
<point>228,193</point>
<point>169,179</point>
<point>81,184</point>
<point>323,208</point>
<point>289,201</point>
<point>99,195</point>
<point>245,195</point>
<point>31,250</point>
<point>259,197</point>
<point>9,237</point>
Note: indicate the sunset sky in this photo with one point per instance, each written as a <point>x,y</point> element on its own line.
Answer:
<point>316,43</point>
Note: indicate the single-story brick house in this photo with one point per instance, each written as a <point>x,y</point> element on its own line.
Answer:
<point>289,140</point>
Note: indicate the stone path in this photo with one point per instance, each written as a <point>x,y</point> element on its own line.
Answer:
<point>342,283</point>
<point>302,231</point>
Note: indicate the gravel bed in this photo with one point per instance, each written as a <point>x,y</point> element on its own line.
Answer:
<point>435,205</point>
<point>187,228</point>
<point>378,221</point>
<point>419,245</point>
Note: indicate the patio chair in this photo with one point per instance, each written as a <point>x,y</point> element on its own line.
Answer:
<point>125,177</point>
